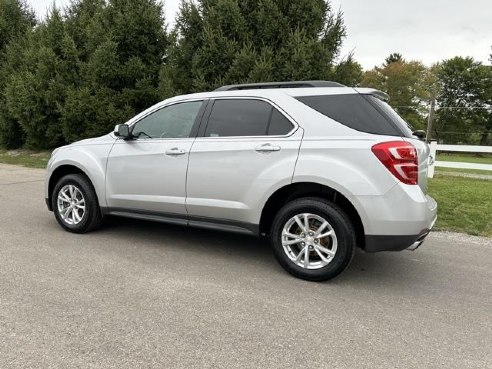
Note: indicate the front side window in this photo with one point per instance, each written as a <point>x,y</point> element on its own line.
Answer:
<point>245,117</point>
<point>174,121</point>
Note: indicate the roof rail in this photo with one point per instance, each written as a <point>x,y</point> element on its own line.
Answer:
<point>293,84</point>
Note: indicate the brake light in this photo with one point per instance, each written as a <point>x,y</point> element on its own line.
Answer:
<point>400,158</point>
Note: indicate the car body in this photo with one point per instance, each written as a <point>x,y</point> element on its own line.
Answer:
<point>215,165</point>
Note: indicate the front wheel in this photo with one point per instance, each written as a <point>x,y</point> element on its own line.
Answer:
<point>75,204</point>
<point>313,239</point>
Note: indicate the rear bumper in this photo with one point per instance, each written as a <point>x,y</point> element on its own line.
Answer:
<point>396,243</point>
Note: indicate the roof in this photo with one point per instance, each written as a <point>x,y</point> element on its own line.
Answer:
<point>271,93</point>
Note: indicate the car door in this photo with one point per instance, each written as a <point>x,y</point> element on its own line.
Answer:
<point>245,149</point>
<point>148,172</point>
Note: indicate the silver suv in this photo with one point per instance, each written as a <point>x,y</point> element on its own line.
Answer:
<point>317,167</point>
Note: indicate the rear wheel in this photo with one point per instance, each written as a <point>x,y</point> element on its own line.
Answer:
<point>313,239</point>
<point>75,204</point>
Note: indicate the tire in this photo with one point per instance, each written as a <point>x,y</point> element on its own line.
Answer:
<point>337,247</point>
<point>85,220</point>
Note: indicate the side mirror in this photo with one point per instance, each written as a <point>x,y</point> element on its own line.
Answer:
<point>420,134</point>
<point>122,131</point>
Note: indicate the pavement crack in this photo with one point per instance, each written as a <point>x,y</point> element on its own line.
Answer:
<point>14,183</point>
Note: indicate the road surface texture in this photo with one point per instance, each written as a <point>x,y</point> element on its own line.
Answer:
<point>148,295</point>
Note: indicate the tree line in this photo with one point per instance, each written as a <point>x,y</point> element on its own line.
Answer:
<point>96,63</point>
<point>461,88</point>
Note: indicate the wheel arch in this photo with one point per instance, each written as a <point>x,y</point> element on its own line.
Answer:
<point>298,190</point>
<point>60,172</point>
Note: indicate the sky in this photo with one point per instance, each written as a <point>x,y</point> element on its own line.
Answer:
<point>425,30</point>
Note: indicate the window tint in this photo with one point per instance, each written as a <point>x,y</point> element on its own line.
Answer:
<point>279,124</point>
<point>238,117</point>
<point>392,115</point>
<point>174,121</point>
<point>354,111</point>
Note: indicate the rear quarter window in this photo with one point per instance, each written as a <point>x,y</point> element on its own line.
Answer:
<point>279,125</point>
<point>355,111</point>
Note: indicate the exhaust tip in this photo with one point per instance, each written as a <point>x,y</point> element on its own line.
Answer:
<point>415,245</point>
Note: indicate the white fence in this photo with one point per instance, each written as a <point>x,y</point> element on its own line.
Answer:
<point>435,147</point>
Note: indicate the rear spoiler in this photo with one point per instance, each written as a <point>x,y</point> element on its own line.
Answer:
<point>376,93</point>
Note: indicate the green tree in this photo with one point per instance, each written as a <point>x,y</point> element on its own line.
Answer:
<point>16,20</point>
<point>36,92</point>
<point>394,58</point>
<point>218,42</point>
<point>465,102</point>
<point>121,47</point>
<point>409,85</point>
<point>16,17</point>
<point>80,72</point>
<point>348,71</point>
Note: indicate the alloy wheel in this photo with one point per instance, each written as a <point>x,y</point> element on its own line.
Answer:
<point>309,241</point>
<point>71,204</point>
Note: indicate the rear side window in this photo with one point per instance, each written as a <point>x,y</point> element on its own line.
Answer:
<point>354,111</point>
<point>245,117</point>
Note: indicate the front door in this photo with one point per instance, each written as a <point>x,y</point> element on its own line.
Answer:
<point>148,172</point>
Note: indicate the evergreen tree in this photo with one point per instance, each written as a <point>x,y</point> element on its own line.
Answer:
<point>36,92</point>
<point>218,42</point>
<point>348,71</point>
<point>394,58</point>
<point>16,17</point>
<point>16,20</point>
<point>81,72</point>
<point>121,47</point>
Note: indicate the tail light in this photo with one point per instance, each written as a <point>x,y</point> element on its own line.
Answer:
<point>400,158</point>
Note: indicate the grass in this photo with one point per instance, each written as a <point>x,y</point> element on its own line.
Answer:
<point>441,170</point>
<point>26,158</point>
<point>464,204</point>
<point>464,158</point>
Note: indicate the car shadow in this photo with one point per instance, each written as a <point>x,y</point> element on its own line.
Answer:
<point>193,239</point>
<point>385,268</point>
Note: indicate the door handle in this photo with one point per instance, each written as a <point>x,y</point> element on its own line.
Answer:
<point>175,151</point>
<point>268,147</point>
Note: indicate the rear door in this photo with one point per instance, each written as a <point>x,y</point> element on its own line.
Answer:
<point>245,148</point>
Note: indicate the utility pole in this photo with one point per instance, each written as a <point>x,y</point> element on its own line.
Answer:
<point>430,120</point>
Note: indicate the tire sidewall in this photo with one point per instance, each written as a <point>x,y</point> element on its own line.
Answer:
<point>341,225</point>
<point>85,188</point>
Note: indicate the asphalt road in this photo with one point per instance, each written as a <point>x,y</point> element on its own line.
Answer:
<point>148,295</point>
